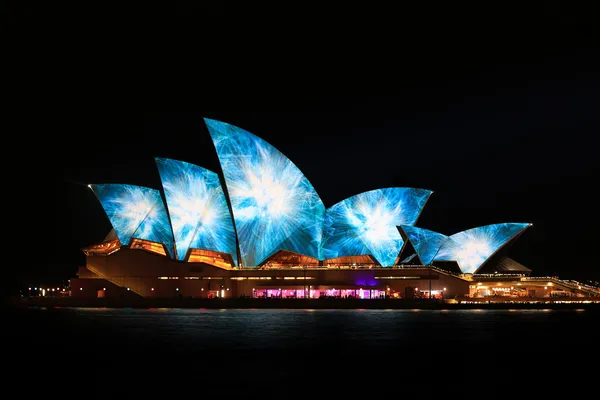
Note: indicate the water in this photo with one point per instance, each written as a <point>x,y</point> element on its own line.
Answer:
<point>161,353</point>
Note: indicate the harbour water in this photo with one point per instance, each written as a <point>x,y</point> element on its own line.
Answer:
<point>163,353</point>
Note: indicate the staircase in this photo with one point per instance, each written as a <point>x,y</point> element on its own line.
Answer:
<point>116,280</point>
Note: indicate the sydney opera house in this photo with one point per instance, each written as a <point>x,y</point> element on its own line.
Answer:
<point>262,231</point>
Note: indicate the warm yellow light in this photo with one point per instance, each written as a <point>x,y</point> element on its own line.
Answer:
<point>545,287</point>
<point>444,289</point>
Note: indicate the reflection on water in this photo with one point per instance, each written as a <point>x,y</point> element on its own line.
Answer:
<point>296,330</point>
<point>285,343</point>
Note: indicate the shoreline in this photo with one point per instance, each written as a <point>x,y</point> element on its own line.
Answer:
<point>342,304</point>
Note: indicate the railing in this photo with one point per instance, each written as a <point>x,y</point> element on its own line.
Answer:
<point>568,283</point>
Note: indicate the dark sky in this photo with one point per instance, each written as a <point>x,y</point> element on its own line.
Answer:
<point>498,116</point>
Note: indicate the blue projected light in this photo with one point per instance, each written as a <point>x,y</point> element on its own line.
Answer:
<point>366,223</point>
<point>197,207</point>
<point>425,242</point>
<point>471,248</point>
<point>274,205</point>
<point>135,212</point>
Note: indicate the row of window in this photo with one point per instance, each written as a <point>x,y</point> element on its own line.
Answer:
<point>243,278</point>
<point>239,278</point>
<point>399,277</point>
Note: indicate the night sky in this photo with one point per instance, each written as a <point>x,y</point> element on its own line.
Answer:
<point>502,129</point>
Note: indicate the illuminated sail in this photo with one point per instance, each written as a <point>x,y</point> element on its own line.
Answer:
<point>274,205</point>
<point>135,212</point>
<point>199,213</point>
<point>473,247</point>
<point>425,242</point>
<point>366,223</point>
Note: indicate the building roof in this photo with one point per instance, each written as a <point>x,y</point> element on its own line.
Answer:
<point>266,205</point>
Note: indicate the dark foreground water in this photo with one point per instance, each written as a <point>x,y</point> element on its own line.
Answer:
<point>175,353</point>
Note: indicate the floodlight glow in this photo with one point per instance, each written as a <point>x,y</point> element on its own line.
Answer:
<point>199,213</point>
<point>425,242</point>
<point>366,223</point>
<point>473,247</point>
<point>136,212</point>
<point>274,205</point>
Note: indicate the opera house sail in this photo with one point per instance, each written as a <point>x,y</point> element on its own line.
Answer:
<point>366,223</point>
<point>274,205</point>
<point>425,242</point>
<point>199,213</point>
<point>136,212</point>
<point>473,247</point>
